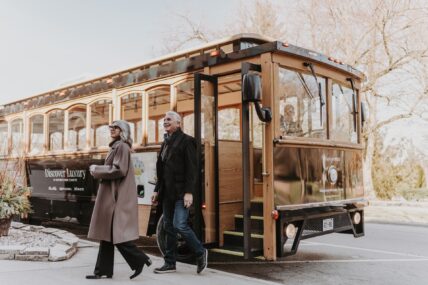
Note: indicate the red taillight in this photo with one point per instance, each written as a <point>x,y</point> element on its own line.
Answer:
<point>275,215</point>
<point>204,206</point>
<point>215,53</point>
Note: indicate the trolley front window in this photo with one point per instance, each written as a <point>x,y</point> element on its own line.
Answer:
<point>343,114</point>
<point>302,105</point>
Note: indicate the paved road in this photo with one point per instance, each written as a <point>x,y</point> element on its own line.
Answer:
<point>73,271</point>
<point>388,254</point>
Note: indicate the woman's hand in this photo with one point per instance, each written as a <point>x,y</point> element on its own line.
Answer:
<point>92,169</point>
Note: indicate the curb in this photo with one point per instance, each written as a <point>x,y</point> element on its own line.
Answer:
<point>62,246</point>
<point>398,223</point>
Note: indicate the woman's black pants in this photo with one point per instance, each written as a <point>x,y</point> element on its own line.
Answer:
<point>133,256</point>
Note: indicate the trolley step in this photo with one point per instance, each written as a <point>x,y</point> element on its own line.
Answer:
<point>236,251</point>
<point>236,239</point>
<point>257,207</point>
<point>256,224</point>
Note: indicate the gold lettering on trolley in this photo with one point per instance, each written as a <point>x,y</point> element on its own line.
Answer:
<point>65,173</point>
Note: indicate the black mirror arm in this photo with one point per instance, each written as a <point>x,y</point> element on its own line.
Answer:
<point>363,115</point>
<point>322,103</point>
<point>354,102</point>
<point>311,67</point>
<point>264,113</point>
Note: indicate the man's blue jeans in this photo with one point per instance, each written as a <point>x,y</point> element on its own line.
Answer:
<point>175,217</point>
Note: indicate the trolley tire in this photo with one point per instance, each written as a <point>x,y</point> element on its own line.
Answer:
<point>184,253</point>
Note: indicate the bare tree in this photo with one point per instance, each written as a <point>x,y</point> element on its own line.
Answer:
<point>184,35</point>
<point>386,39</point>
<point>260,17</point>
<point>255,16</point>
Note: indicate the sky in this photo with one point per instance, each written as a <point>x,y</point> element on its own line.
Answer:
<point>46,44</point>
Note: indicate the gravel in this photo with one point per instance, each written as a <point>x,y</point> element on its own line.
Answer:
<point>30,239</point>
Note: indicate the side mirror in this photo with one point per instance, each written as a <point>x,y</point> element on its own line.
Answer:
<point>252,88</point>
<point>364,113</point>
<point>252,93</point>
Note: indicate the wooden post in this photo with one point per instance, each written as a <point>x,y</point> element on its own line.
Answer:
<point>65,138</point>
<point>26,132</point>
<point>329,107</point>
<point>269,80</point>
<point>173,98</point>
<point>145,110</point>
<point>88,127</point>
<point>46,132</point>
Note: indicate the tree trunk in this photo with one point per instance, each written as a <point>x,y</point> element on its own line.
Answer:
<point>367,169</point>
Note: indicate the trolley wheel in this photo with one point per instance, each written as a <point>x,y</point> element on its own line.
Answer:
<point>184,253</point>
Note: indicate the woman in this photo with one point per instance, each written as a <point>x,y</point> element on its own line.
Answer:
<point>115,217</point>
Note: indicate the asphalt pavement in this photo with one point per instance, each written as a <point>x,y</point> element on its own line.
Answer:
<point>73,271</point>
<point>388,254</point>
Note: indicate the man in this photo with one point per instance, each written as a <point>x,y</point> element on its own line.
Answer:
<point>176,184</point>
<point>288,125</point>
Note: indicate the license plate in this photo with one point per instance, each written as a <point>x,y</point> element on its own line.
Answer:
<point>327,224</point>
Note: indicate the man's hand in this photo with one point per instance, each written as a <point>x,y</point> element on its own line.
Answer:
<point>188,200</point>
<point>155,198</point>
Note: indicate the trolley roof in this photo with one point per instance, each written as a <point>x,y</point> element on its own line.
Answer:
<point>220,51</point>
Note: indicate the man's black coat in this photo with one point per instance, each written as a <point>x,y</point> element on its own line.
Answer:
<point>176,174</point>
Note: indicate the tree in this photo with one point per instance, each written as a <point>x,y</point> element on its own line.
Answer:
<point>387,40</point>
<point>397,170</point>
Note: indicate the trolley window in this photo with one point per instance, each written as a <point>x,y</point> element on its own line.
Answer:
<point>302,105</point>
<point>342,126</point>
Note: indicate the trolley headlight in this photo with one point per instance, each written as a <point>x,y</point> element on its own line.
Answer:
<point>356,218</point>
<point>290,231</point>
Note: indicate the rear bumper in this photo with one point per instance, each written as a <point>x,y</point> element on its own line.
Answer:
<point>312,222</point>
<point>358,202</point>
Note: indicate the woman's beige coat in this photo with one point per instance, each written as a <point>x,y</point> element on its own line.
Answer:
<point>115,215</point>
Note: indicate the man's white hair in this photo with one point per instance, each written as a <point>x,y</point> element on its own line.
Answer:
<point>174,115</point>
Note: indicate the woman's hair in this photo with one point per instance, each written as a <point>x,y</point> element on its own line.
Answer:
<point>125,134</point>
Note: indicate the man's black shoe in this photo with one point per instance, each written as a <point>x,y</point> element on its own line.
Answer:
<point>202,261</point>
<point>166,268</point>
<point>96,276</point>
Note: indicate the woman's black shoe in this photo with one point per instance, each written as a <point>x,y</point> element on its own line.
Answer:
<point>96,276</point>
<point>140,269</point>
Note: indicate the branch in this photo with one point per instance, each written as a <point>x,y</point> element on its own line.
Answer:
<point>385,43</point>
<point>392,120</point>
<point>407,115</point>
<point>400,62</point>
